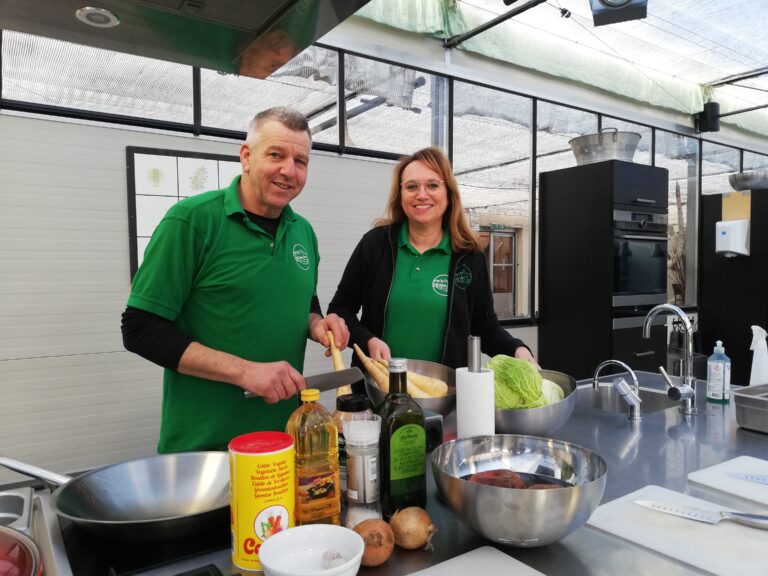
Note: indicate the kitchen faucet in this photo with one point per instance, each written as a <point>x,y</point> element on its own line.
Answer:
<point>630,395</point>
<point>686,392</point>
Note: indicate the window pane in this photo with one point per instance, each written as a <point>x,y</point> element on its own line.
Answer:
<point>502,250</point>
<point>502,279</point>
<point>680,156</point>
<point>391,108</point>
<point>307,83</point>
<point>492,163</point>
<point>555,127</point>
<point>643,152</point>
<point>46,71</point>
<point>717,163</point>
<point>753,161</point>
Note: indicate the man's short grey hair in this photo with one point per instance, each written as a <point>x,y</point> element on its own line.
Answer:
<point>288,117</point>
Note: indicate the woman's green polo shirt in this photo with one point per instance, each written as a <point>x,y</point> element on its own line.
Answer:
<point>417,306</point>
<point>230,286</point>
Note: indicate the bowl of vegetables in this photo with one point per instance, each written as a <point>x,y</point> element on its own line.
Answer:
<point>530,401</point>
<point>518,490</point>
<point>431,385</point>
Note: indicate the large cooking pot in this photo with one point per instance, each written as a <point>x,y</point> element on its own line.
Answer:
<point>19,555</point>
<point>608,144</point>
<point>160,497</point>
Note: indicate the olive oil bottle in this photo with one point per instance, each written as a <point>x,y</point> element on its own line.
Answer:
<point>316,441</point>
<point>402,445</point>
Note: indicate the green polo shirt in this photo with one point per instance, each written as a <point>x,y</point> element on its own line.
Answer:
<point>231,286</point>
<point>417,307</point>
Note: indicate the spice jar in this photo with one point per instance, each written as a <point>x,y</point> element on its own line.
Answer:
<point>348,407</point>
<point>362,439</point>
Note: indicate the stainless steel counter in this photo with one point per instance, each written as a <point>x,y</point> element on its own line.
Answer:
<point>662,449</point>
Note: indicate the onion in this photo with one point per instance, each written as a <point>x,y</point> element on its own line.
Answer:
<point>379,541</point>
<point>413,528</point>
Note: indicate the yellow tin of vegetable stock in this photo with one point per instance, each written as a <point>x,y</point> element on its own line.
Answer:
<point>262,494</point>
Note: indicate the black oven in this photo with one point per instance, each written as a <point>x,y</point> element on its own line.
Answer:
<point>639,258</point>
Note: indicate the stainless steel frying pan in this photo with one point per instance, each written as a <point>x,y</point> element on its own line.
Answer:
<point>165,496</point>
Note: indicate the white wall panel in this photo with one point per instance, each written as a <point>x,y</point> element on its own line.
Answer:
<point>71,397</point>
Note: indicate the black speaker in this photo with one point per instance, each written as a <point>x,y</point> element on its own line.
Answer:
<point>612,11</point>
<point>709,119</point>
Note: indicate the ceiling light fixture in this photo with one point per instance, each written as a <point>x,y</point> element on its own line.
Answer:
<point>98,17</point>
<point>613,11</point>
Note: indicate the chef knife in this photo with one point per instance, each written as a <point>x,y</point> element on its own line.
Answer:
<point>329,380</point>
<point>708,516</point>
<point>759,478</point>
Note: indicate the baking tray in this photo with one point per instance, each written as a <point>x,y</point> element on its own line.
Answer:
<point>752,407</point>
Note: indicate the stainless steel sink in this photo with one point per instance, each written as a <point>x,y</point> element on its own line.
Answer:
<point>16,508</point>
<point>605,397</point>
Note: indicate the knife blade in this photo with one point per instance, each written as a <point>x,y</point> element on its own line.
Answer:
<point>759,478</point>
<point>329,380</point>
<point>707,516</point>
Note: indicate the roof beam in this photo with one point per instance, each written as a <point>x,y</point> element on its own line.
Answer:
<point>454,41</point>
<point>737,77</point>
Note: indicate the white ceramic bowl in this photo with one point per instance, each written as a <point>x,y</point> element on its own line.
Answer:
<point>298,551</point>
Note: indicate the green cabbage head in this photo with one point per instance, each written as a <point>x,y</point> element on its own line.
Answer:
<point>517,383</point>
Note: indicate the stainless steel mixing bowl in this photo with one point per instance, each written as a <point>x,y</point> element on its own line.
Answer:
<point>544,420</point>
<point>519,517</point>
<point>443,405</point>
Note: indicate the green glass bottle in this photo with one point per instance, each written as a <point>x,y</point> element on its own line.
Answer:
<point>402,445</point>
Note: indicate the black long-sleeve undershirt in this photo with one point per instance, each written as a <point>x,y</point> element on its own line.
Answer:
<point>158,340</point>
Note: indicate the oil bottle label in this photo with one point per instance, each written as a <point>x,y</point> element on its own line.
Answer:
<point>317,496</point>
<point>407,451</point>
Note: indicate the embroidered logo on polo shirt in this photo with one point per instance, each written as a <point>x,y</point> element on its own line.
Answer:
<point>440,285</point>
<point>301,256</point>
<point>463,277</point>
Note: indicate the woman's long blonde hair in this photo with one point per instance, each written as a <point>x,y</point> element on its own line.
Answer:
<point>463,239</point>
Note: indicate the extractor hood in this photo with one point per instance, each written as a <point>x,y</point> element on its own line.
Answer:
<point>246,37</point>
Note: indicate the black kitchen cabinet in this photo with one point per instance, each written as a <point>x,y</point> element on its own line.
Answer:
<point>733,292</point>
<point>629,346</point>
<point>578,328</point>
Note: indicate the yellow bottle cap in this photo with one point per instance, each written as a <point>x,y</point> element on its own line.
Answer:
<point>310,395</point>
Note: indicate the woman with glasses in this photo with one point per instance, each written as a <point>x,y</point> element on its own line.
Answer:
<point>419,275</point>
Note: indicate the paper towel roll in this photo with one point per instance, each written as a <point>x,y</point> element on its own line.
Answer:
<point>475,410</point>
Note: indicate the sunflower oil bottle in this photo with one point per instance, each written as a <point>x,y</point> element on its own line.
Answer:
<point>316,439</point>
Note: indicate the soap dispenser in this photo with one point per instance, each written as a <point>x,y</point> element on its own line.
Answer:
<point>719,375</point>
<point>759,374</point>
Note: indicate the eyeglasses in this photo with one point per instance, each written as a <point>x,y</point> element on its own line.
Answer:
<point>429,185</point>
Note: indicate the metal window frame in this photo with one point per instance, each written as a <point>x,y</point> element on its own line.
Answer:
<point>196,128</point>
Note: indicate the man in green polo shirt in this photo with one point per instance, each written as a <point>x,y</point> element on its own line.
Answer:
<point>225,298</point>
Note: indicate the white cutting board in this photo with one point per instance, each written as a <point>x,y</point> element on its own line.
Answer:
<point>485,559</point>
<point>726,549</point>
<point>723,477</point>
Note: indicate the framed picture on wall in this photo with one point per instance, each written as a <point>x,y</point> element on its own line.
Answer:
<point>157,179</point>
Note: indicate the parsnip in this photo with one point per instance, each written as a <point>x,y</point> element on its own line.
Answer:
<point>377,373</point>
<point>338,360</point>
<point>430,387</point>
<point>413,387</point>
<point>338,364</point>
